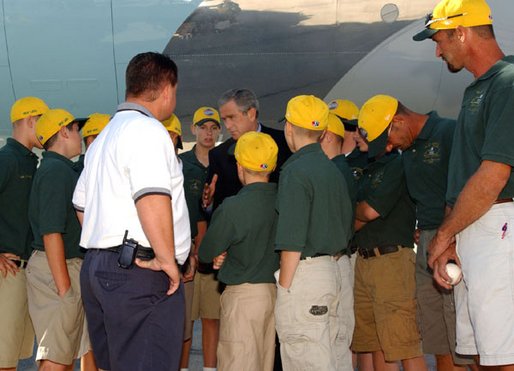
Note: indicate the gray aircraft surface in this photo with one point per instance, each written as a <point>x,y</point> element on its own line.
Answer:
<point>73,53</point>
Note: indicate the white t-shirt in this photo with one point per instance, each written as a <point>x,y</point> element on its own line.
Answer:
<point>133,156</point>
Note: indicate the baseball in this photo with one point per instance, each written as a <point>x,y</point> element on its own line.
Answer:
<point>454,272</point>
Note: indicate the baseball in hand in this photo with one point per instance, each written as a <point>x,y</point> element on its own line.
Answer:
<point>454,272</point>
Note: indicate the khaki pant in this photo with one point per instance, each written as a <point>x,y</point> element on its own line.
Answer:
<point>247,328</point>
<point>308,317</point>
<point>17,333</point>
<point>59,323</point>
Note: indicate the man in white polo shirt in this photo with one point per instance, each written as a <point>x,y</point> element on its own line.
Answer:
<point>132,189</point>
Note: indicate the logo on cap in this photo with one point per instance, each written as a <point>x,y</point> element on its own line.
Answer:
<point>264,166</point>
<point>315,124</point>
<point>332,105</point>
<point>208,112</point>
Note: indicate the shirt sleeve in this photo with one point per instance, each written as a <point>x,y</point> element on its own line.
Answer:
<point>219,237</point>
<point>499,133</point>
<point>6,170</point>
<point>293,204</point>
<point>53,197</point>
<point>79,195</point>
<point>150,159</point>
<point>387,191</point>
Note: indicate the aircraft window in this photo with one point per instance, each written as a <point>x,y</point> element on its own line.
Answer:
<point>389,13</point>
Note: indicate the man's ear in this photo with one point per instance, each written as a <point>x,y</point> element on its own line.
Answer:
<point>252,113</point>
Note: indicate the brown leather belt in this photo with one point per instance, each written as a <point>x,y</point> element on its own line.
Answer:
<point>378,251</point>
<point>502,201</point>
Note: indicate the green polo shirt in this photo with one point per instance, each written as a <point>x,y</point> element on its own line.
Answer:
<point>313,203</point>
<point>195,175</point>
<point>426,170</point>
<point>244,226</point>
<point>342,164</point>
<point>485,128</point>
<point>50,208</point>
<point>17,167</point>
<point>384,188</point>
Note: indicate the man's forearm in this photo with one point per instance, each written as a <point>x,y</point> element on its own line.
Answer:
<point>289,261</point>
<point>476,198</point>
<point>156,217</point>
<point>54,248</point>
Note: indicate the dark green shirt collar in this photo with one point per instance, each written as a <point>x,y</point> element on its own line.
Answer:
<point>429,126</point>
<point>259,186</point>
<point>190,156</point>
<point>59,157</point>
<point>309,148</point>
<point>20,148</point>
<point>497,67</point>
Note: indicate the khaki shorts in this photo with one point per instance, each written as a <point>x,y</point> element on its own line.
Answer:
<point>206,298</point>
<point>247,327</point>
<point>189,288</point>
<point>17,339</point>
<point>436,308</point>
<point>385,306</point>
<point>59,323</point>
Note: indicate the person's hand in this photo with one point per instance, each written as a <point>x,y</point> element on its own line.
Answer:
<point>7,265</point>
<point>189,275</point>
<point>439,266</point>
<point>208,192</point>
<point>171,270</point>
<point>218,261</point>
<point>437,246</point>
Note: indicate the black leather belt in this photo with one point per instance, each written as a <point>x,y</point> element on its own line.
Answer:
<point>144,253</point>
<point>378,251</point>
<point>22,264</point>
<point>314,256</point>
<point>502,201</point>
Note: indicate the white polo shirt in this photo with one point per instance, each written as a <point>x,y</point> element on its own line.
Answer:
<point>133,156</point>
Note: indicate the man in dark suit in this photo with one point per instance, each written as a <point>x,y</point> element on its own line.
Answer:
<point>239,110</point>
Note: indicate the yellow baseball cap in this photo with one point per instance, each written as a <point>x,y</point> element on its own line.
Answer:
<point>345,109</point>
<point>308,112</point>
<point>335,125</point>
<point>374,118</point>
<point>449,14</point>
<point>205,114</point>
<point>173,124</point>
<point>256,151</point>
<point>51,122</point>
<point>27,106</point>
<point>95,123</point>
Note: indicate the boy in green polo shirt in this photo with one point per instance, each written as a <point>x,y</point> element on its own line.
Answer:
<point>206,127</point>
<point>385,285</point>
<point>17,167</point>
<point>53,270</point>
<point>244,227</point>
<point>314,224</point>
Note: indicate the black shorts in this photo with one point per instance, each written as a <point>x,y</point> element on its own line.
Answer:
<point>133,324</point>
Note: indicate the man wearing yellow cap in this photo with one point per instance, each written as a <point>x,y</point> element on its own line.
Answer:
<point>314,224</point>
<point>53,269</point>
<point>174,128</point>
<point>385,283</point>
<point>244,227</point>
<point>17,167</point>
<point>480,182</point>
<point>206,127</point>
<point>93,125</point>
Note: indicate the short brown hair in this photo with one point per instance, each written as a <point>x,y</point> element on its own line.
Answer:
<point>147,73</point>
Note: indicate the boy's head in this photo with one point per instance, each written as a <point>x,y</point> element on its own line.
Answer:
<point>206,126</point>
<point>24,114</point>
<point>95,123</point>
<point>375,118</point>
<point>306,119</point>
<point>332,140</point>
<point>174,128</point>
<point>58,131</point>
<point>256,155</point>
